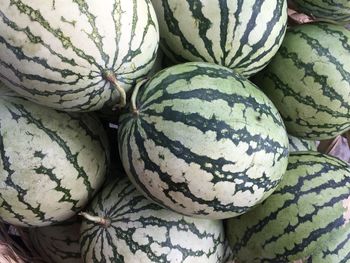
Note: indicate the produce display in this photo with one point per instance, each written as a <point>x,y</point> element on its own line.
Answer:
<point>163,131</point>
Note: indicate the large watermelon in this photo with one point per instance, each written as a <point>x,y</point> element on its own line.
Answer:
<point>242,35</point>
<point>306,218</point>
<point>58,243</point>
<point>51,162</point>
<point>309,80</point>
<point>76,55</point>
<point>129,228</point>
<point>330,10</point>
<point>203,141</point>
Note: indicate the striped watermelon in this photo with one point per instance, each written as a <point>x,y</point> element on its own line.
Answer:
<point>58,243</point>
<point>330,10</point>
<point>242,35</point>
<point>309,81</point>
<point>307,217</point>
<point>203,141</point>
<point>76,55</point>
<point>51,162</point>
<point>129,228</point>
<point>298,144</point>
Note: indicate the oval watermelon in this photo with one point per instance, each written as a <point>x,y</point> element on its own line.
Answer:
<point>51,162</point>
<point>242,35</point>
<point>309,81</point>
<point>129,228</point>
<point>203,141</point>
<point>306,218</point>
<point>76,55</point>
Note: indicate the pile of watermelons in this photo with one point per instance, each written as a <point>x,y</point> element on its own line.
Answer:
<point>175,130</point>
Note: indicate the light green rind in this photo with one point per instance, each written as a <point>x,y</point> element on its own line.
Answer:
<point>57,53</point>
<point>199,122</point>
<point>242,35</point>
<point>51,162</point>
<point>143,232</point>
<point>306,218</point>
<point>298,144</point>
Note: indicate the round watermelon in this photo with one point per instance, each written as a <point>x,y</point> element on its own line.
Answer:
<point>309,81</point>
<point>242,35</point>
<point>121,225</point>
<point>203,141</point>
<point>76,55</point>
<point>298,144</point>
<point>305,220</point>
<point>51,162</point>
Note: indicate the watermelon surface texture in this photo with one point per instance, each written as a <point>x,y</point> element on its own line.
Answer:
<point>309,80</point>
<point>58,243</point>
<point>203,141</point>
<point>330,10</point>
<point>242,35</point>
<point>306,218</point>
<point>69,54</point>
<point>298,144</point>
<point>136,230</point>
<point>51,162</point>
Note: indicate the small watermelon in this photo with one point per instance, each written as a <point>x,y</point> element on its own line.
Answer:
<point>51,162</point>
<point>203,141</point>
<point>121,225</point>
<point>306,218</point>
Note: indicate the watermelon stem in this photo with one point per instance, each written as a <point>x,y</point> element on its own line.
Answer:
<point>134,108</point>
<point>110,76</point>
<point>96,219</point>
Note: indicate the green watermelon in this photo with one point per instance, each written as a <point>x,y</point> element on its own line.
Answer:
<point>58,243</point>
<point>298,144</point>
<point>51,162</point>
<point>76,55</point>
<point>309,81</point>
<point>242,35</point>
<point>121,225</point>
<point>203,141</point>
<point>330,10</point>
<point>306,218</point>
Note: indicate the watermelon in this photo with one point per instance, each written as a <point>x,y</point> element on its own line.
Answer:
<point>309,81</point>
<point>76,55</point>
<point>306,218</point>
<point>51,162</point>
<point>330,10</point>
<point>121,225</point>
<point>298,144</point>
<point>58,243</point>
<point>203,141</point>
<point>242,35</point>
